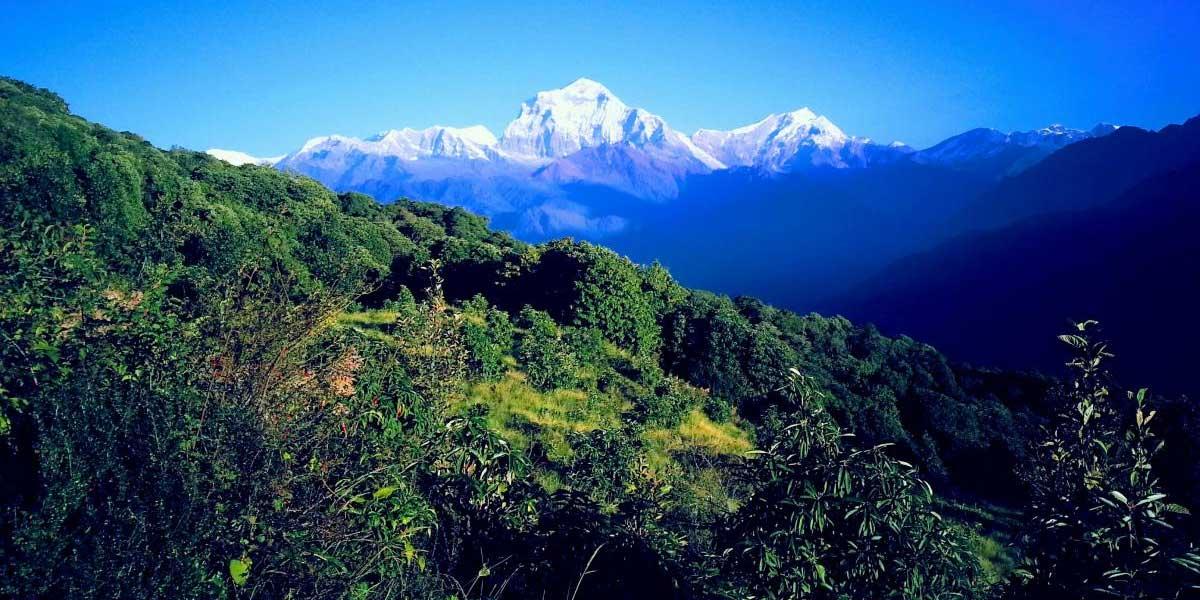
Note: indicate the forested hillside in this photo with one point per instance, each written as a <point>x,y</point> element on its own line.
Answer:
<point>224,382</point>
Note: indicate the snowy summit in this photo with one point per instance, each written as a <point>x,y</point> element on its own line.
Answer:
<point>236,158</point>
<point>582,139</point>
<point>585,114</point>
<point>784,142</point>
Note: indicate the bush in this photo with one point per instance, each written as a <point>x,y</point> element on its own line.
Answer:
<point>1101,524</point>
<point>826,521</point>
<point>588,286</point>
<point>546,358</point>
<point>668,402</point>
<point>488,336</point>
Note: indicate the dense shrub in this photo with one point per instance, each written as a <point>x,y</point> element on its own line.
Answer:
<point>830,521</point>
<point>547,359</point>
<point>588,286</point>
<point>488,335</point>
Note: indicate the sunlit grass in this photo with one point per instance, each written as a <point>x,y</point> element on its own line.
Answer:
<point>697,431</point>
<point>532,419</point>
<point>369,323</point>
<point>549,480</point>
<point>368,318</point>
<point>707,493</point>
<point>995,558</point>
<point>522,414</point>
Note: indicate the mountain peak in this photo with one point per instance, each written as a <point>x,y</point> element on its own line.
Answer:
<point>582,92</point>
<point>478,134</point>
<point>237,158</point>
<point>999,153</point>
<point>786,141</point>
<point>585,114</point>
<point>1102,129</point>
<point>468,143</point>
<point>801,114</point>
<point>586,87</point>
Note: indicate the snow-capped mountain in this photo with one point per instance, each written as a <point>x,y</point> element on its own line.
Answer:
<point>791,141</point>
<point>995,152</point>
<point>466,143</point>
<point>435,153</point>
<point>576,159</point>
<point>236,158</point>
<point>585,114</point>
<point>446,164</point>
<point>469,143</point>
<point>579,134</point>
<point>585,134</point>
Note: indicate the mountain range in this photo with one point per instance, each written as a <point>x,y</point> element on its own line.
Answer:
<point>978,244</point>
<point>578,160</point>
<point>1100,230</point>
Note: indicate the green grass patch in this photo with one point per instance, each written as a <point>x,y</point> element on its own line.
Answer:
<point>368,318</point>
<point>525,415</point>
<point>698,432</point>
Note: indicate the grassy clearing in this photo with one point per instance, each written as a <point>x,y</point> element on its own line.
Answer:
<point>697,431</point>
<point>531,419</point>
<point>368,318</point>
<point>524,415</point>
<point>995,538</point>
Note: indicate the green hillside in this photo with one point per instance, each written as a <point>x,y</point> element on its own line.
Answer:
<point>225,382</point>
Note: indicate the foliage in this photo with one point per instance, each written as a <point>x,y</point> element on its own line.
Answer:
<point>224,382</point>
<point>540,348</point>
<point>488,335</point>
<point>1102,523</point>
<point>829,521</point>
<point>590,286</point>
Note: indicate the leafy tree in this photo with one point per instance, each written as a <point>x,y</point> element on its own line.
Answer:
<point>488,336</point>
<point>668,401</point>
<point>589,286</point>
<point>587,344</point>
<point>605,464</point>
<point>829,521</point>
<point>1101,522</point>
<point>540,349</point>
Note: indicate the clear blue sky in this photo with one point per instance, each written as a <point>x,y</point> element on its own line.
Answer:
<point>262,77</point>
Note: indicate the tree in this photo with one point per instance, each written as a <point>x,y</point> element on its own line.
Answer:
<point>829,521</point>
<point>488,336</point>
<point>588,286</point>
<point>540,349</point>
<point>1100,523</point>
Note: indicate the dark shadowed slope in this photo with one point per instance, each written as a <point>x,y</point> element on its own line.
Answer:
<point>1131,264</point>
<point>793,239</point>
<point>1086,174</point>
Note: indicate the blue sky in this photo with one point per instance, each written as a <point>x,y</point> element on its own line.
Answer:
<point>262,77</point>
